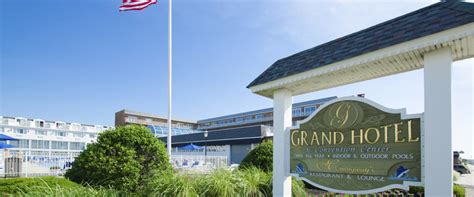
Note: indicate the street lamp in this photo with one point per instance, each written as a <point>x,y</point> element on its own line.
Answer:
<point>205,145</point>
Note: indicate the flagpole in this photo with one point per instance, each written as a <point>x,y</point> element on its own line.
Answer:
<point>169,74</point>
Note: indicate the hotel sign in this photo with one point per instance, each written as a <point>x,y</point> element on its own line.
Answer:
<point>352,145</point>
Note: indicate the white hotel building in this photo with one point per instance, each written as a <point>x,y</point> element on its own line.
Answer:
<point>40,138</point>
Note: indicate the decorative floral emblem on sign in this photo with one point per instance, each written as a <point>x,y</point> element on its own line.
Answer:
<point>343,115</point>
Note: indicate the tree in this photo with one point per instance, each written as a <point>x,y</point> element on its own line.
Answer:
<point>122,158</point>
<point>260,157</point>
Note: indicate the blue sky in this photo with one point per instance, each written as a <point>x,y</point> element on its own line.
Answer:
<point>81,61</point>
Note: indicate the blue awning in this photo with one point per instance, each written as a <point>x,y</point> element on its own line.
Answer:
<point>6,137</point>
<point>3,146</point>
<point>191,147</point>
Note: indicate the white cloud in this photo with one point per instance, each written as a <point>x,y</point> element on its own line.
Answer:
<point>307,23</point>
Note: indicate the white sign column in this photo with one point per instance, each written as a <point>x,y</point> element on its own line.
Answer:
<point>282,112</point>
<point>438,128</point>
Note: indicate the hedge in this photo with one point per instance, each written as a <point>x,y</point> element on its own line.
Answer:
<point>123,158</point>
<point>260,157</point>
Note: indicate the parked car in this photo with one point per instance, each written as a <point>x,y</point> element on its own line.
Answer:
<point>461,169</point>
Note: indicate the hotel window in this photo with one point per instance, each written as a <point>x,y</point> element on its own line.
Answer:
<point>248,118</point>
<point>60,133</point>
<point>99,128</point>
<point>259,116</point>
<point>148,120</point>
<point>22,122</point>
<point>309,110</point>
<point>49,125</point>
<point>13,143</point>
<point>187,126</point>
<point>239,119</point>
<point>132,119</point>
<point>39,123</point>
<point>75,127</point>
<point>59,125</point>
<point>297,112</point>
<point>77,145</point>
<point>19,143</point>
<point>85,128</point>
<point>58,145</point>
<point>21,131</point>
<point>81,135</point>
<point>40,132</point>
<point>39,144</point>
<point>92,135</point>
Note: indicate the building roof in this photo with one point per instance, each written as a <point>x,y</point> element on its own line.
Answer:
<point>426,21</point>
<point>130,112</point>
<point>251,134</point>
<point>52,121</point>
<point>311,102</point>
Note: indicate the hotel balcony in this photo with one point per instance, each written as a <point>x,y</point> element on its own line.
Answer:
<point>235,123</point>
<point>38,124</point>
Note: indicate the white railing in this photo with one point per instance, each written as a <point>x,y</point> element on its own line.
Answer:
<point>198,163</point>
<point>235,123</point>
<point>35,163</point>
<point>43,163</point>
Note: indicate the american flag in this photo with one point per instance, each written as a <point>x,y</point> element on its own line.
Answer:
<point>135,4</point>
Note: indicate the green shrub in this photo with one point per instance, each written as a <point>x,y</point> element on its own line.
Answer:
<point>416,190</point>
<point>257,183</point>
<point>297,188</point>
<point>170,184</point>
<point>260,157</point>
<point>459,191</point>
<point>122,158</point>
<point>251,182</point>
<point>220,183</point>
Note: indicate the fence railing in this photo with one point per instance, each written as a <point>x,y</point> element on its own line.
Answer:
<point>35,163</point>
<point>198,163</point>
<point>45,163</point>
